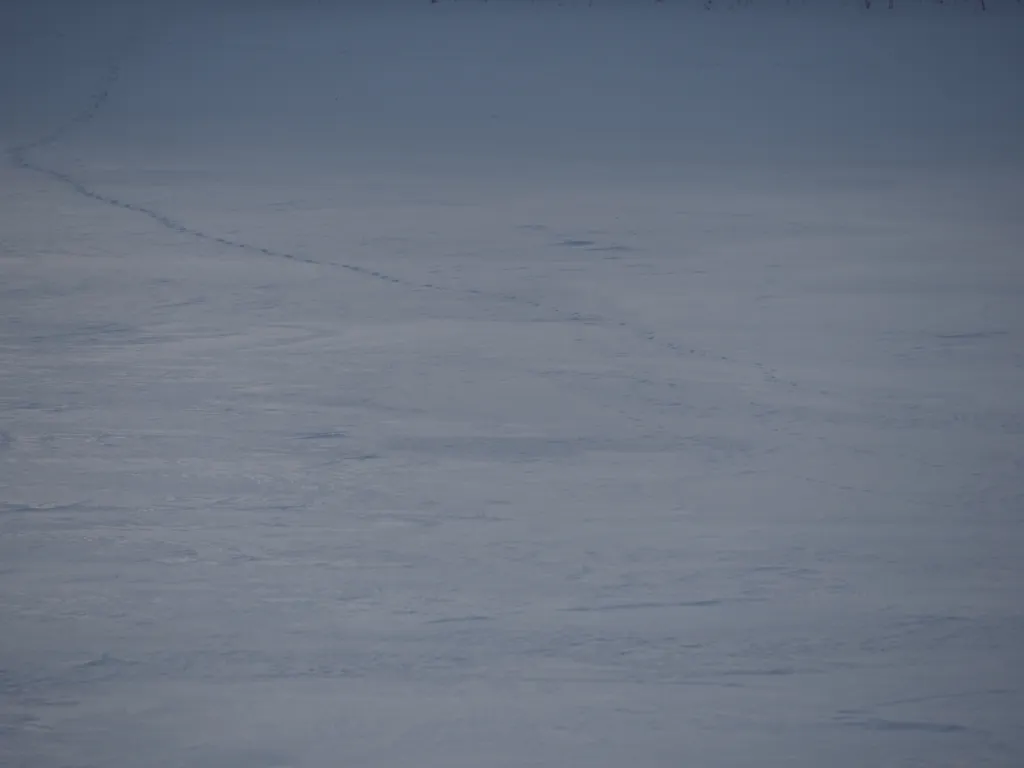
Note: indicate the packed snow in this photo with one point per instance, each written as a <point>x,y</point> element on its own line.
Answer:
<point>503,384</point>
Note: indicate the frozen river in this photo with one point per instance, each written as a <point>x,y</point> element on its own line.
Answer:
<point>492,385</point>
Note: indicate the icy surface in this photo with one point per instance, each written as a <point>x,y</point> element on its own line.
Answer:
<point>489,385</point>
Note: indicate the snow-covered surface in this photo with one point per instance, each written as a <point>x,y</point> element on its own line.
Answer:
<point>481,385</point>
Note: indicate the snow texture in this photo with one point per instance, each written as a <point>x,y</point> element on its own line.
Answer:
<point>505,384</point>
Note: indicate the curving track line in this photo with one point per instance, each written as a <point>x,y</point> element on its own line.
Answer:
<point>20,156</point>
